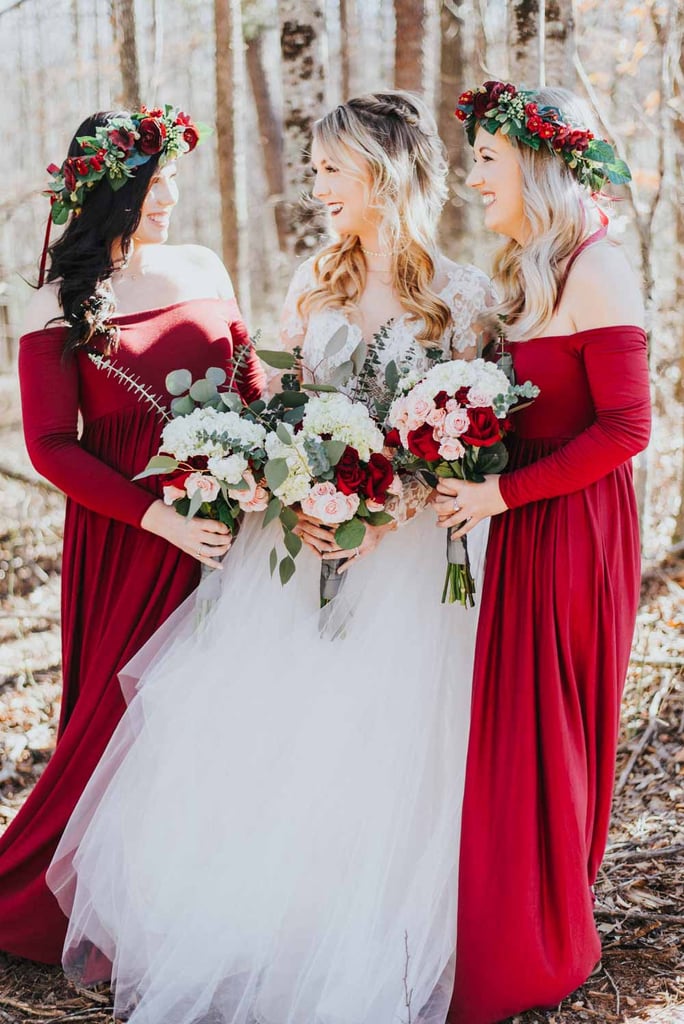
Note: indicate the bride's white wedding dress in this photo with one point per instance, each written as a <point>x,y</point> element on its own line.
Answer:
<point>272,835</point>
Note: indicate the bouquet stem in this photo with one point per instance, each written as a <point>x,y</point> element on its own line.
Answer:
<point>330,580</point>
<point>459,584</point>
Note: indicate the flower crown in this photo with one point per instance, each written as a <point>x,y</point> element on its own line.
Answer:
<point>497,106</point>
<point>115,150</point>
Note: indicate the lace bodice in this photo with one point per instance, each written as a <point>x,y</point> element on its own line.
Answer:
<point>465,289</point>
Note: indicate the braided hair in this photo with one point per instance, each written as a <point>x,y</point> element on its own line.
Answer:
<point>81,259</point>
<point>396,136</point>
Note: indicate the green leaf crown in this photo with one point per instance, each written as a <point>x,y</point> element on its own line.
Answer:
<point>115,151</point>
<point>500,106</point>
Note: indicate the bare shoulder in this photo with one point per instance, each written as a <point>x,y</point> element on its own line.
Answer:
<point>603,289</point>
<point>206,260</point>
<point>43,307</point>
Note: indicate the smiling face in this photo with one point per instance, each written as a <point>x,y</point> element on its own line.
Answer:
<point>497,175</point>
<point>344,188</point>
<point>160,200</point>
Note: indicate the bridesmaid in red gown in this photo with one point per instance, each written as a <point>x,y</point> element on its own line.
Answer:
<point>561,586</point>
<point>129,560</point>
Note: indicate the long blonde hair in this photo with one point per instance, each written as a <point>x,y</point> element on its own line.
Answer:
<point>396,136</point>
<point>528,276</point>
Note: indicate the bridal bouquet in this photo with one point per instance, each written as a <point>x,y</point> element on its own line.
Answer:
<point>212,454</point>
<point>451,424</point>
<point>331,465</point>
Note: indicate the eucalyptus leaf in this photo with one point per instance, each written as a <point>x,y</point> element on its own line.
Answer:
<point>337,342</point>
<point>292,542</point>
<point>350,535</point>
<point>217,375</point>
<point>272,511</point>
<point>158,466</point>
<point>203,390</point>
<point>292,399</point>
<point>195,504</point>
<point>273,560</point>
<point>392,375</point>
<point>286,570</point>
<point>278,360</point>
<point>358,356</point>
<point>284,434</point>
<point>178,382</point>
<point>257,407</point>
<point>182,406</point>
<point>289,518</point>
<point>294,416</point>
<point>322,388</point>
<point>276,471</point>
<point>334,450</point>
<point>231,401</point>
<point>341,374</point>
<point>380,518</point>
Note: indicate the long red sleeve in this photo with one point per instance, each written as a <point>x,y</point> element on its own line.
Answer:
<point>616,367</point>
<point>49,401</point>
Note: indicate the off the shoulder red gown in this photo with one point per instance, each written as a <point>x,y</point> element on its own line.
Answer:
<point>119,582</point>
<point>555,630</point>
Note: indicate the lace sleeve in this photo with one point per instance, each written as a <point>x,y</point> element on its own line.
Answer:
<point>292,324</point>
<point>470,295</point>
<point>412,500</point>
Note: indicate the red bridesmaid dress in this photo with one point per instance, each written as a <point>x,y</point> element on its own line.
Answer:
<point>119,583</point>
<point>556,624</point>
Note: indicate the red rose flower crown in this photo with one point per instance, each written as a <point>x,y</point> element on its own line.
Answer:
<point>114,152</point>
<point>497,106</point>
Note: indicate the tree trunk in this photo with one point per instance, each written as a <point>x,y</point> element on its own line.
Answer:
<point>350,48</point>
<point>409,44</point>
<point>302,39</point>
<point>523,50</point>
<point>270,134</point>
<point>451,84</point>
<point>125,38</point>
<point>230,137</point>
<point>558,66</point>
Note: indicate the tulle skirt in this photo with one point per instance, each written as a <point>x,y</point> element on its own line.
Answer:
<point>272,835</point>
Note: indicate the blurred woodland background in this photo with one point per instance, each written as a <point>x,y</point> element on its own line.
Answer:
<point>259,72</point>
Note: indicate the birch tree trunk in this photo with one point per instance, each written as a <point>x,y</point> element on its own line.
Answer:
<point>302,45</point>
<point>230,137</point>
<point>523,47</point>
<point>270,133</point>
<point>558,66</point>
<point>125,38</point>
<point>350,48</point>
<point>409,44</point>
<point>542,43</point>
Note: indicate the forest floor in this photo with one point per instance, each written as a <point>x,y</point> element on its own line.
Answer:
<point>640,890</point>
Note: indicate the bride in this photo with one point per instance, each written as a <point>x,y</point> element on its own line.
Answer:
<point>272,835</point>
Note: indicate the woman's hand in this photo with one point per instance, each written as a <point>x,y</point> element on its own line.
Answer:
<point>316,535</point>
<point>464,503</point>
<point>204,539</point>
<point>371,539</point>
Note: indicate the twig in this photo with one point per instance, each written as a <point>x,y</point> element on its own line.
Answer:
<point>639,659</point>
<point>666,853</point>
<point>616,990</point>
<point>648,733</point>
<point>16,1005</point>
<point>638,915</point>
<point>408,993</point>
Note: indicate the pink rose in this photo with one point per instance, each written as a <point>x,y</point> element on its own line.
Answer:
<point>253,500</point>
<point>329,505</point>
<point>456,422</point>
<point>478,399</point>
<point>208,487</point>
<point>418,409</point>
<point>451,448</point>
<point>172,494</point>
<point>436,417</point>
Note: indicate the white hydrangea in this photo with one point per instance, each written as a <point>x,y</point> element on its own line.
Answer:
<point>343,420</point>
<point>298,482</point>
<point>210,432</point>
<point>230,469</point>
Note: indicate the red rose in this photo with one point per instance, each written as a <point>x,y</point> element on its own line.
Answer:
<point>157,112</point>
<point>421,443</point>
<point>484,429</point>
<point>348,472</point>
<point>461,115</point>
<point>393,439</point>
<point>81,166</point>
<point>441,399</point>
<point>95,164</point>
<point>152,135</point>
<point>531,109</point>
<point>379,476</point>
<point>547,131</point>
<point>122,139</point>
<point>465,98</point>
<point>69,176</point>
<point>480,104</point>
<point>191,137</point>
<point>534,123</point>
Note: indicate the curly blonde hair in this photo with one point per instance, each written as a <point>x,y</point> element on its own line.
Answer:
<point>528,276</point>
<point>396,136</point>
